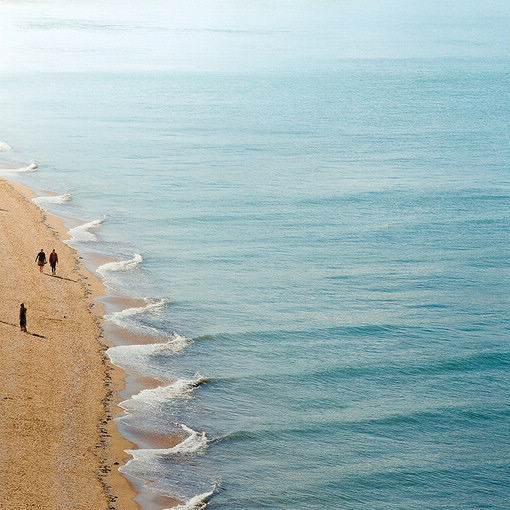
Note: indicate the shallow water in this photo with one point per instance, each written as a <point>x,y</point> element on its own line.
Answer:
<point>323,250</point>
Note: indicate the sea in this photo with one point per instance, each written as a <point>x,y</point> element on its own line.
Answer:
<point>300,211</point>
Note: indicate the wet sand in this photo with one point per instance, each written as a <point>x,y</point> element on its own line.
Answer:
<point>59,447</point>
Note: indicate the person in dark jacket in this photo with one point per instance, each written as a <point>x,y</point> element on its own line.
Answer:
<point>41,259</point>
<point>23,318</point>
<point>53,262</point>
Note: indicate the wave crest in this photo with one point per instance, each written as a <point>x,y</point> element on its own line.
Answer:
<point>32,167</point>
<point>52,199</point>
<point>174,345</point>
<point>181,388</point>
<point>137,356</point>
<point>194,444</point>
<point>196,502</point>
<point>5,147</point>
<point>121,265</point>
<point>81,232</point>
<point>152,305</point>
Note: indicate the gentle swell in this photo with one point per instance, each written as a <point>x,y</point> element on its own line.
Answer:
<point>81,232</point>
<point>121,265</point>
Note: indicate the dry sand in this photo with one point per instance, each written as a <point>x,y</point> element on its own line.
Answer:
<point>59,448</point>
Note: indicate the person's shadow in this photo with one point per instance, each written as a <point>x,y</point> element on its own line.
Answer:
<point>28,332</point>
<point>61,277</point>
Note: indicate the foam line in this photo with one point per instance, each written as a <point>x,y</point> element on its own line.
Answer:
<point>121,265</point>
<point>128,354</point>
<point>52,199</point>
<point>137,357</point>
<point>181,388</point>
<point>196,502</point>
<point>194,444</point>
<point>152,305</point>
<point>81,232</point>
<point>32,167</point>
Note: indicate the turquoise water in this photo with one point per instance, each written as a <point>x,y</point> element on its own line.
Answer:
<point>324,248</point>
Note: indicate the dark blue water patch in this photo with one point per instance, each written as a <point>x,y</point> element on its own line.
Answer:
<point>494,262</point>
<point>374,433</point>
<point>501,222</point>
<point>428,306</point>
<point>482,195</point>
<point>320,334</point>
<point>314,432</point>
<point>391,368</point>
<point>341,277</point>
<point>481,361</point>
<point>429,422</point>
<point>363,483</point>
<point>479,486</point>
<point>238,435</point>
<point>363,338</point>
<point>327,357</point>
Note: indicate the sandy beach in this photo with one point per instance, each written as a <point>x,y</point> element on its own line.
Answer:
<point>59,448</point>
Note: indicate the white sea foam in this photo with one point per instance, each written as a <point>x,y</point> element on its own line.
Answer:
<point>119,318</point>
<point>32,167</point>
<point>5,147</point>
<point>182,388</point>
<point>175,344</point>
<point>52,199</point>
<point>81,232</point>
<point>195,503</point>
<point>138,356</point>
<point>121,265</point>
<point>194,444</point>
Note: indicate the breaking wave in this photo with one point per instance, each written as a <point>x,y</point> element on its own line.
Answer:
<point>196,502</point>
<point>181,388</point>
<point>121,318</point>
<point>121,265</point>
<point>52,199</point>
<point>194,444</point>
<point>138,356</point>
<point>5,147</point>
<point>32,167</point>
<point>81,232</point>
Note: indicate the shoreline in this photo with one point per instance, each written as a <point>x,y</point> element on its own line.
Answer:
<point>60,444</point>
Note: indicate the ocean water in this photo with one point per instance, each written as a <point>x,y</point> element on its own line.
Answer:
<point>315,222</point>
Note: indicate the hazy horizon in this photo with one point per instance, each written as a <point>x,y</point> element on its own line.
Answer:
<point>254,36</point>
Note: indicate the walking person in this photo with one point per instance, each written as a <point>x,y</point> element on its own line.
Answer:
<point>23,318</point>
<point>53,262</point>
<point>41,260</point>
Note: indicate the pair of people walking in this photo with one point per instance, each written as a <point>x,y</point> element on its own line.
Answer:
<point>41,261</point>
